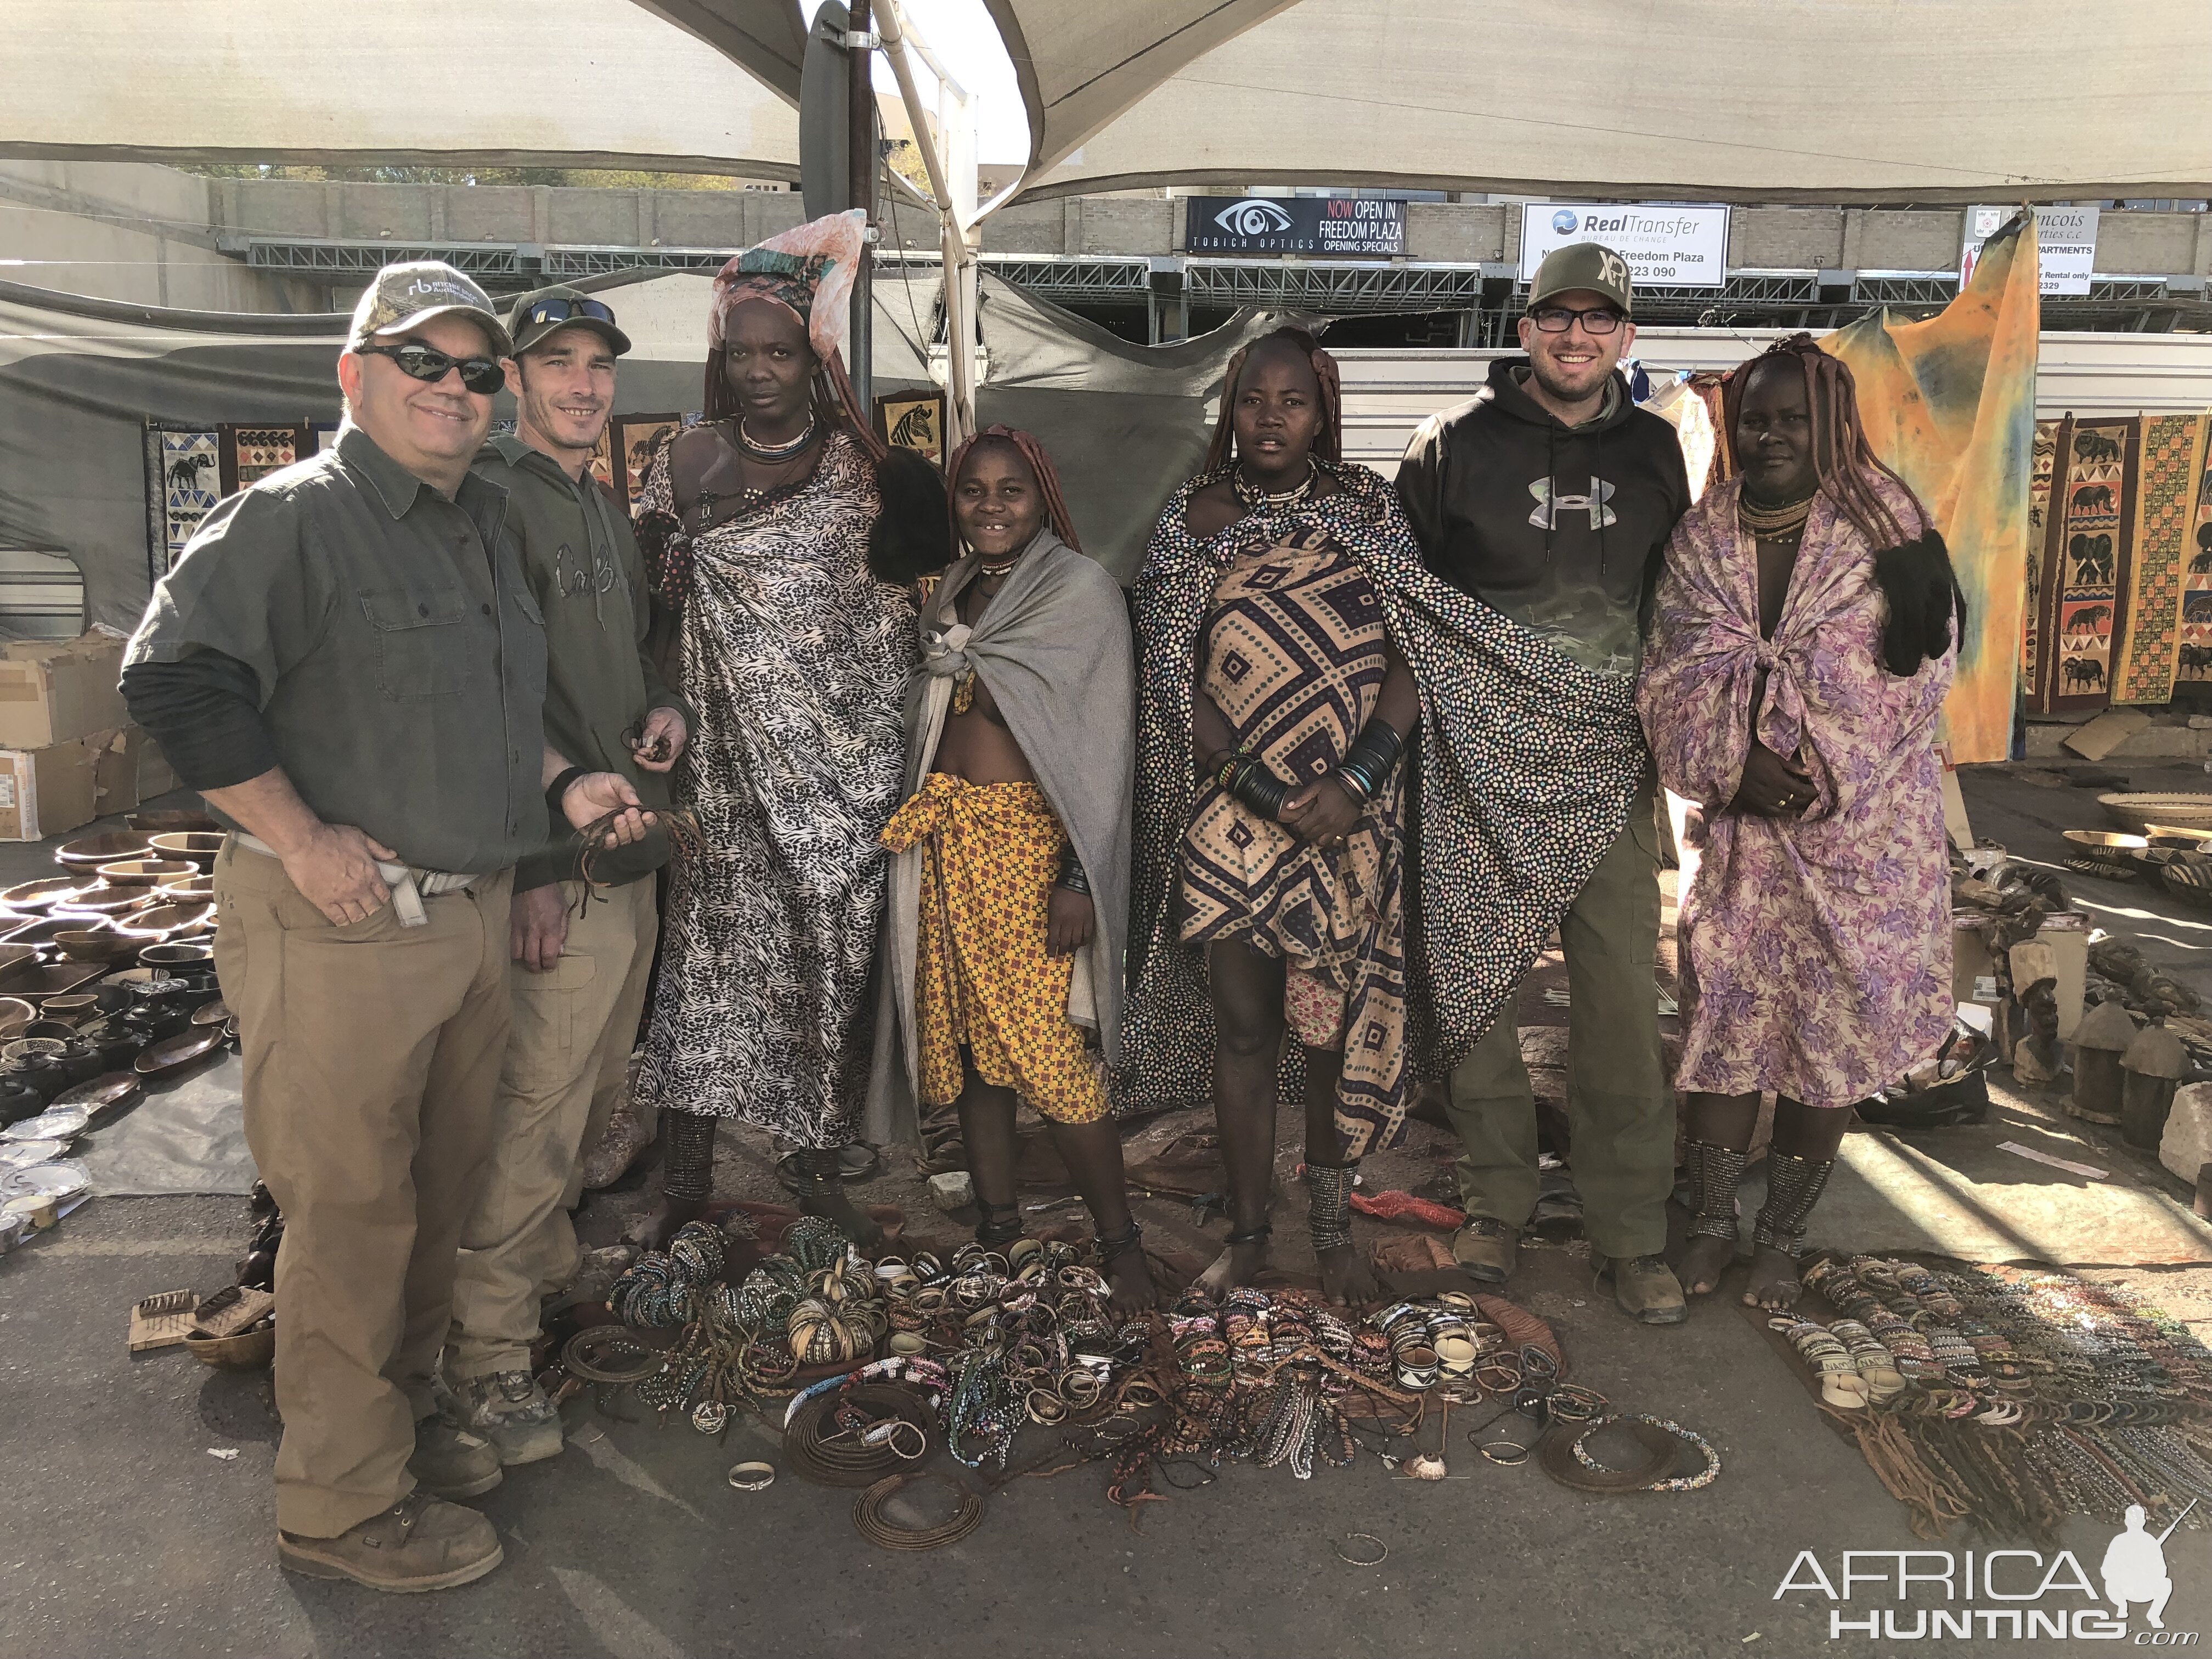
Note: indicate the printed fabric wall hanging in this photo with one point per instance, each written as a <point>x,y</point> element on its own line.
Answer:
<point>2194,659</point>
<point>184,481</point>
<point>2044,460</point>
<point>2162,558</point>
<point>2086,564</point>
<point>636,437</point>
<point>254,450</point>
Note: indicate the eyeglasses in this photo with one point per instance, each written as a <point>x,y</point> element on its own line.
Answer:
<point>1558,320</point>
<point>482,375</point>
<point>562,311</point>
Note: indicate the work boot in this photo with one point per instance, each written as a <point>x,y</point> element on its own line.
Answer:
<point>420,1543</point>
<point>449,1461</point>
<point>630,1130</point>
<point>511,1412</point>
<point>1486,1248</point>
<point>1645,1286</point>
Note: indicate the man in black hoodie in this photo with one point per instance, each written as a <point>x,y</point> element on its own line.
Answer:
<point>1550,497</point>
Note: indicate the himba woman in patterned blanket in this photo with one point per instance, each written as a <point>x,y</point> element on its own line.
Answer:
<point>758,527</point>
<point>1010,885</point>
<point>1802,644</point>
<point>1268,890</point>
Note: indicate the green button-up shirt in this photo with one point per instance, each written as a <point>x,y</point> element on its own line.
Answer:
<point>580,559</point>
<point>400,656</point>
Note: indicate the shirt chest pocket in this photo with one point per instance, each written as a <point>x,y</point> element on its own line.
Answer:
<point>423,640</point>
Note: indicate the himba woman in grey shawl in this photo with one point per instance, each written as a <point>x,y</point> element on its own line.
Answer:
<point>1009,892</point>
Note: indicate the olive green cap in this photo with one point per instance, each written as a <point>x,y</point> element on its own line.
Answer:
<point>399,297</point>
<point>534,317</point>
<point>1591,265</point>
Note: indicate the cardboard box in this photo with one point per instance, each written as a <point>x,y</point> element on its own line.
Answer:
<point>50,791</point>
<point>54,691</point>
<point>157,777</point>
<point>121,755</point>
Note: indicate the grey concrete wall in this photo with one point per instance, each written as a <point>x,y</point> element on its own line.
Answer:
<point>122,231</point>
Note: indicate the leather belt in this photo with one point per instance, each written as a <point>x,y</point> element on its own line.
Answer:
<point>409,885</point>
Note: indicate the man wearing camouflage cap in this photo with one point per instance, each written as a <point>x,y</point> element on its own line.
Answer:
<point>348,664</point>
<point>1551,497</point>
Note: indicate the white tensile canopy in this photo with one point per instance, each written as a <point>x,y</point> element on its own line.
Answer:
<point>576,83</point>
<point>1829,100</point>
<point>1836,101</point>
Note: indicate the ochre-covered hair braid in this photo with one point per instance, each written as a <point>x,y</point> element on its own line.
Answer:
<point>1843,460</point>
<point>1040,465</point>
<point>1328,442</point>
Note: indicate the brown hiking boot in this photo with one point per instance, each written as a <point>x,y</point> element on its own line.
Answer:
<point>631,1130</point>
<point>418,1544</point>
<point>1487,1249</point>
<point>1645,1286</point>
<point>451,1463</point>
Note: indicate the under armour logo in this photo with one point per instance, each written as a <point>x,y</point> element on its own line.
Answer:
<point>1549,505</point>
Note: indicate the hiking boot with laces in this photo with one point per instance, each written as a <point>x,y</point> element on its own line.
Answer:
<point>449,1461</point>
<point>1645,1286</point>
<point>511,1412</point>
<point>1487,1249</point>
<point>420,1543</point>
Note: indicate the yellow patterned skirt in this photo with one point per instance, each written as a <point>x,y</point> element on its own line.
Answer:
<point>990,854</point>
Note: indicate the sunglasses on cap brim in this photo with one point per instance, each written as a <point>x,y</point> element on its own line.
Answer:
<point>482,375</point>
<point>569,310</point>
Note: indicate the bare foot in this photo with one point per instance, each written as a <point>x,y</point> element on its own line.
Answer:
<point>833,1207</point>
<point>1347,1281</point>
<point>1703,1264</point>
<point>1129,1282</point>
<point>657,1229</point>
<point>1240,1264</point>
<point>1773,1281</point>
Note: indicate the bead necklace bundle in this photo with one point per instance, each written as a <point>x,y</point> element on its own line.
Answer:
<point>2011,1397</point>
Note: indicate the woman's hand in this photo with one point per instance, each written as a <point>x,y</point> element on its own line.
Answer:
<point>1069,920</point>
<point>1772,786</point>
<point>1322,812</point>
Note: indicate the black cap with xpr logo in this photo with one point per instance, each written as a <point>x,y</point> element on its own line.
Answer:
<point>402,296</point>
<point>1592,267</point>
<point>550,309</point>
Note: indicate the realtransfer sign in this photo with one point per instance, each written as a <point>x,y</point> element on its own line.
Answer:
<point>1665,246</point>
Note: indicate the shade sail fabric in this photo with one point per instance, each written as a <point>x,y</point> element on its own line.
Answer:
<point>416,83</point>
<point>1847,100</point>
<point>1950,404</point>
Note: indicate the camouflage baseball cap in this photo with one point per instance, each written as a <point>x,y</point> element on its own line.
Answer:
<point>1590,265</point>
<point>550,310</point>
<point>403,295</point>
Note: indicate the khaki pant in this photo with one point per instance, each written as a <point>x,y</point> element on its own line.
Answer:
<point>1619,1109</point>
<point>372,1055</point>
<point>567,1060</point>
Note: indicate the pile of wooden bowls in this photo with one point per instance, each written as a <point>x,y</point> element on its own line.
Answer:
<point>106,970</point>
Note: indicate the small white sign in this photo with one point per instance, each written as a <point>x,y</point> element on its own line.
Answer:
<point>2065,244</point>
<point>1665,246</point>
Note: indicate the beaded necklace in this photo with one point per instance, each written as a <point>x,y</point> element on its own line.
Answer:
<point>1774,524</point>
<point>1256,499</point>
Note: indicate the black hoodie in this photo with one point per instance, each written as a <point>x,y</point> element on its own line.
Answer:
<point>1561,527</point>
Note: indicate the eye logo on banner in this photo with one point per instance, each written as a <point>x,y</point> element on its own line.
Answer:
<point>1252,217</point>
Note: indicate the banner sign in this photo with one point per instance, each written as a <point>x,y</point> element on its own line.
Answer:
<point>2065,244</point>
<point>1359,225</point>
<point>1665,246</point>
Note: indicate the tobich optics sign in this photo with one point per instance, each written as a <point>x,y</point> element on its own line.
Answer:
<point>1665,246</point>
<point>1353,227</point>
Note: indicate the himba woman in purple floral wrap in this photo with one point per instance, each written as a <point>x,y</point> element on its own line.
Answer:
<point>1802,642</point>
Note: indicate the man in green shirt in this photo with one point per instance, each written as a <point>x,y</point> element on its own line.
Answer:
<point>582,949</point>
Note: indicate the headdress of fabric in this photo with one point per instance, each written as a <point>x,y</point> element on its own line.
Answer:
<point>809,271</point>
<point>1055,504</point>
<point>1927,608</point>
<point>1328,442</point>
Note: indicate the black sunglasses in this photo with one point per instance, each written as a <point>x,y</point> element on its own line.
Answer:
<point>563,310</point>
<point>1558,320</point>
<point>482,375</point>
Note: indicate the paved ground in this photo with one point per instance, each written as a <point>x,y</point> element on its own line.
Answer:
<point>129,1536</point>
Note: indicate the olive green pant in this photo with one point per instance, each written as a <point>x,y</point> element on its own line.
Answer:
<point>1619,1109</point>
<point>372,1054</point>
<point>566,1064</point>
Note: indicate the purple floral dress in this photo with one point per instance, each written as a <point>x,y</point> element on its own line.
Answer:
<point>1815,952</point>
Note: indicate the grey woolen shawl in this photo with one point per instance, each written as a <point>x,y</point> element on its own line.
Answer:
<point>1053,647</point>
